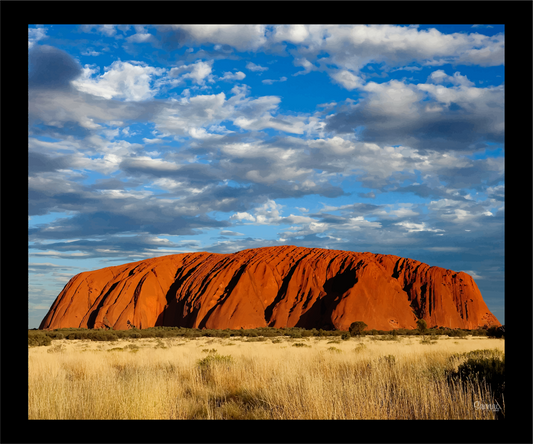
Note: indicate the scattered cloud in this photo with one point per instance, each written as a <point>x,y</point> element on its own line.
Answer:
<point>151,140</point>
<point>123,80</point>
<point>35,34</point>
<point>459,117</point>
<point>230,76</point>
<point>411,227</point>
<point>251,66</point>
<point>346,79</point>
<point>271,81</point>
<point>230,233</point>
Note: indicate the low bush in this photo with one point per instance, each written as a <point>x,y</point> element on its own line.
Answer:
<point>214,359</point>
<point>132,347</point>
<point>496,332</point>
<point>360,347</point>
<point>256,339</point>
<point>55,335</point>
<point>479,332</point>
<point>456,333</point>
<point>356,330</point>
<point>39,339</point>
<point>428,339</point>
<point>102,335</point>
<point>334,350</point>
<point>484,366</point>
<point>209,350</point>
<point>422,325</point>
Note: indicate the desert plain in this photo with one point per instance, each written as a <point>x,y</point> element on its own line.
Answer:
<point>366,377</point>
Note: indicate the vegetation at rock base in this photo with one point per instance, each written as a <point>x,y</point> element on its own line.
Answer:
<point>37,337</point>
<point>357,328</point>
<point>422,325</point>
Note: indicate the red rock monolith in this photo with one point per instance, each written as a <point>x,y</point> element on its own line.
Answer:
<point>284,286</point>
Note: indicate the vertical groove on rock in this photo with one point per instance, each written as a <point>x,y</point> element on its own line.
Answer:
<point>282,292</point>
<point>94,314</point>
<point>225,295</point>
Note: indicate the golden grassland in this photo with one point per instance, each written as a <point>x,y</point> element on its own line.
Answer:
<point>255,378</point>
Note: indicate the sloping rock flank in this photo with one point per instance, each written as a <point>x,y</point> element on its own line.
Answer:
<point>284,286</point>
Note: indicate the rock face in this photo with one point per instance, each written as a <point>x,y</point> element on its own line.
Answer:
<point>271,287</point>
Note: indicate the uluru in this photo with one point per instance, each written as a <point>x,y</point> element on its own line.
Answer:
<point>284,286</point>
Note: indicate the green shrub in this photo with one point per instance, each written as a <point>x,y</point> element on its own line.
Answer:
<point>360,347</point>
<point>486,353</point>
<point>386,338</point>
<point>101,335</point>
<point>300,344</point>
<point>428,339</point>
<point>357,328</point>
<point>55,335</point>
<point>402,331</point>
<point>298,332</point>
<point>256,339</point>
<point>496,332</point>
<point>260,333</point>
<point>392,337</point>
<point>334,341</point>
<point>132,347</point>
<point>479,332</point>
<point>214,359</point>
<point>111,336</point>
<point>483,365</point>
<point>457,333</point>
<point>491,370</point>
<point>334,350</point>
<point>422,325</point>
<point>39,339</point>
<point>209,350</point>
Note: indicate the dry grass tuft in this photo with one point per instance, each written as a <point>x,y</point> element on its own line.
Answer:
<point>272,379</point>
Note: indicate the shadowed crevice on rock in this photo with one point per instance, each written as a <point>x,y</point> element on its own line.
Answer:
<point>281,293</point>
<point>94,314</point>
<point>170,316</point>
<point>319,314</point>
<point>227,292</point>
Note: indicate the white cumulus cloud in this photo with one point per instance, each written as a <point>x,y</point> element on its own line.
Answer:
<point>122,80</point>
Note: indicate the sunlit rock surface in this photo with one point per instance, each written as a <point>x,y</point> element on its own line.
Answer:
<point>283,286</point>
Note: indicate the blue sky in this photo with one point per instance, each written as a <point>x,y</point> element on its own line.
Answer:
<point>155,140</point>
